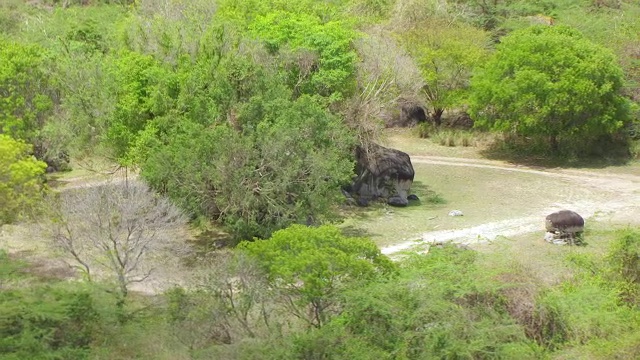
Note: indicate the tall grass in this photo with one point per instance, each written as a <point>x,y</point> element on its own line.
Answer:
<point>451,137</point>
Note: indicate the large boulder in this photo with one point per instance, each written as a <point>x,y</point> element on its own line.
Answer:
<point>411,114</point>
<point>459,120</point>
<point>563,227</point>
<point>383,173</point>
<point>565,221</point>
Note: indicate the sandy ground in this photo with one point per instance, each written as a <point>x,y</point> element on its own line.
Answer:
<point>592,194</point>
<point>612,197</point>
<point>32,242</point>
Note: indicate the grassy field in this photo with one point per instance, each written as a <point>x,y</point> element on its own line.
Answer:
<point>482,194</point>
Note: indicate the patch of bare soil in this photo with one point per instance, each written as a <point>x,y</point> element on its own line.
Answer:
<point>32,243</point>
<point>592,194</point>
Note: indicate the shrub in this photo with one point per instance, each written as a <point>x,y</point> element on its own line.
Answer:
<point>47,322</point>
<point>21,179</point>
<point>312,265</point>
<point>550,83</point>
<point>624,261</point>
<point>425,130</point>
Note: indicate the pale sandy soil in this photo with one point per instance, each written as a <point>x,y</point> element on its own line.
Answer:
<point>504,206</point>
<point>613,196</point>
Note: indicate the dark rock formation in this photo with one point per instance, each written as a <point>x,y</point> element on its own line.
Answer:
<point>383,173</point>
<point>460,120</point>
<point>565,222</point>
<point>412,114</point>
<point>398,201</point>
<point>363,202</point>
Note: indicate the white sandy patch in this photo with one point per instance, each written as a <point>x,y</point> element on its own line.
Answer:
<point>605,194</point>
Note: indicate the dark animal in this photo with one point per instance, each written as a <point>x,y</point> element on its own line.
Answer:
<point>565,224</point>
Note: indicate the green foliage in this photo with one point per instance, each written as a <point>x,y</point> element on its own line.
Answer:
<point>170,31</point>
<point>453,138</point>
<point>24,91</point>
<point>496,15</point>
<point>432,197</point>
<point>10,269</point>
<point>440,306</point>
<point>587,310</point>
<point>312,266</point>
<point>284,167</point>
<point>550,82</point>
<point>46,323</point>
<point>624,262</point>
<point>143,94</point>
<point>446,54</point>
<point>317,54</point>
<point>425,130</point>
<point>374,9</point>
<point>311,42</point>
<point>12,13</point>
<point>21,178</point>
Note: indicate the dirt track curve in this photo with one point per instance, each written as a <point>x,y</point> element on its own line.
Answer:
<point>597,194</point>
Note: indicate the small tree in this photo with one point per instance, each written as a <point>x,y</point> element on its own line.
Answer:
<point>231,300</point>
<point>311,265</point>
<point>25,93</point>
<point>285,167</point>
<point>29,98</point>
<point>550,82</point>
<point>21,178</point>
<point>446,54</point>
<point>115,227</point>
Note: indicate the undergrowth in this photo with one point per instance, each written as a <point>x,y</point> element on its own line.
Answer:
<point>444,304</point>
<point>452,137</point>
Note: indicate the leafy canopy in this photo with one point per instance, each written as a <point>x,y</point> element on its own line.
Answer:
<point>313,264</point>
<point>21,178</point>
<point>322,60</point>
<point>283,168</point>
<point>552,82</point>
<point>446,54</point>
<point>25,102</point>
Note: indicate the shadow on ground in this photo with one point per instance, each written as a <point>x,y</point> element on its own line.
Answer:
<point>533,156</point>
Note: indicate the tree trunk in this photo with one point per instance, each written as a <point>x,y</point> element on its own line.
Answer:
<point>553,141</point>
<point>437,116</point>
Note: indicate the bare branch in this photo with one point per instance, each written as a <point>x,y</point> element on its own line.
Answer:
<point>115,227</point>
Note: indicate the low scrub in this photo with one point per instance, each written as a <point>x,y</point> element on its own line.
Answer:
<point>444,304</point>
<point>41,321</point>
<point>450,137</point>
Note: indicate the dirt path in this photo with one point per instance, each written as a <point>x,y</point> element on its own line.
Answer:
<point>621,194</point>
<point>593,194</point>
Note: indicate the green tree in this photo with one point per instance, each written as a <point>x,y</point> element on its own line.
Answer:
<point>310,266</point>
<point>440,306</point>
<point>21,178</point>
<point>446,54</point>
<point>143,92</point>
<point>26,95</point>
<point>47,322</point>
<point>281,163</point>
<point>550,82</point>
<point>317,54</point>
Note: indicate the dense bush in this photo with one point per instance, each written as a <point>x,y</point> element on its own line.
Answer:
<point>21,179</point>
<point>28,96</point>
<point>281,165</point>
<point>41,321</point>
<point>551,83</point>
